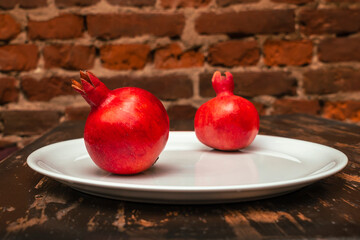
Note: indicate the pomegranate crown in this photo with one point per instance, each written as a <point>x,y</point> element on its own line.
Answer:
<point>90,88</point>
<point>223,84</point>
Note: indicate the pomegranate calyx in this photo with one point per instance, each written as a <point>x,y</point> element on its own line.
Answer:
<point>77,86</point>
<point>223,84</point>
<point>90,78</point>
<point>90,88</point>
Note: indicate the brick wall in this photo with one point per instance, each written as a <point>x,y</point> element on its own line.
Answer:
<point>287,56</point>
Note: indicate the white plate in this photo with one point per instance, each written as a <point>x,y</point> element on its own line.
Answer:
<point>188,172</point>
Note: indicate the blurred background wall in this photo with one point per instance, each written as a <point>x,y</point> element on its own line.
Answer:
<point>287,56</point>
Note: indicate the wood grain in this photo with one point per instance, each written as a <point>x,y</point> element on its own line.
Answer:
<point>36,207</point>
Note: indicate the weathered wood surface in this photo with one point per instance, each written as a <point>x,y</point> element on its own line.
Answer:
<point>36,207</point>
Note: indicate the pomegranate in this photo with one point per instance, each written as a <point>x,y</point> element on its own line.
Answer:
<point>127,128</point>
<point>226,122</point>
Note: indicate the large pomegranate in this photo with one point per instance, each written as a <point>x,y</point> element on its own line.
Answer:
<point>226,122</point>
<point>127,128</point>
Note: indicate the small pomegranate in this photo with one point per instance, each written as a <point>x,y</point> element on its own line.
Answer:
<point>226,122</point>
<point>127,128</point>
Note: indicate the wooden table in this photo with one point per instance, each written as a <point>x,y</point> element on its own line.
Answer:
<point>35,207</point>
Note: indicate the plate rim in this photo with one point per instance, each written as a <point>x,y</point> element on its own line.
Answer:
<point>341,163</point>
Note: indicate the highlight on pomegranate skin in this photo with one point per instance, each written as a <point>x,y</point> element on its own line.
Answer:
<point>127,128</point>
<point>226,122</point>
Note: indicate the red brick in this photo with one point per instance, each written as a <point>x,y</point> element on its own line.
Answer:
<point>28,122</point>
<point>251,84</point>
<point>6,143</point>
<point>8,4</point>
<point>172,56</point>
<point>184,3</point>
<point>165,87</point>
<point>325,81</point>
<point>32,3</point>
<point>343,110</point>
<point>244,23</point>
<point>224,3</point>
<point>8,90</point>
<point>132,3</point>
<point>65,26</point>
<point>260,108</point>
<point>46,88</point>
<point>181,112</point>
<point>106,26</point>
<point>282,52</point>
<point>77,113</point>
<point>343,1</point>
<point>181,117</point>
<point>234,53</point>
<point>293,1</point>
<point>339,50</point>
<point>75,3</point>
<point>290,106</point>
<point>322,21</point>
<point>73,57</point>
<point>22,57</point>
<point>124,56</point>
<point>9,28</point>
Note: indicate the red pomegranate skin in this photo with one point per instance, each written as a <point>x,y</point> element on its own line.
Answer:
<point>226,122</point>
<point>127,128</point>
